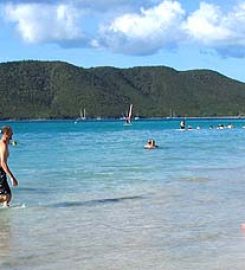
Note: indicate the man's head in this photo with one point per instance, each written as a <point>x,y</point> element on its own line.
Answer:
<point>7,132</point>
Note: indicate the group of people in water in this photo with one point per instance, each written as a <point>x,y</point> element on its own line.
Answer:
<point>183,126</point>
<point>6,139</point>
<point>151,144</point>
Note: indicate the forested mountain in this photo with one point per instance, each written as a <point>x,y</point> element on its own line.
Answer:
<point>34,89</point>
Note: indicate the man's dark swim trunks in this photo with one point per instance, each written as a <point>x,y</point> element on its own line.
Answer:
<point>4,187</point>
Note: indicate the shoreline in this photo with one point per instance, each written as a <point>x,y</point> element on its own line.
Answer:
<point>115,119</point>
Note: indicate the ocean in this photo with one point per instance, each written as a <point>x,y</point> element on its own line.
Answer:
<point>91,197</point>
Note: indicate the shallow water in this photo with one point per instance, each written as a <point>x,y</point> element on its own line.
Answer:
<point>91,197</point>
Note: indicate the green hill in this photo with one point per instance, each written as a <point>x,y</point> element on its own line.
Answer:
<point>33,89</point>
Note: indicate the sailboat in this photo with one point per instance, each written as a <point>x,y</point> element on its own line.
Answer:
<point>82,116</point>
<point>128,118</point>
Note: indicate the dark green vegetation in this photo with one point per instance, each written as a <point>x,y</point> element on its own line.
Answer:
<point>33,89</point>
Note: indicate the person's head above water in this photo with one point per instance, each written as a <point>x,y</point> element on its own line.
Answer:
<point>150,144</point>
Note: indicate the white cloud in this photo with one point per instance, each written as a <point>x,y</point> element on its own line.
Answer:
<point>146,32</point>
<point>45,22</point>
<point>167,25</point>
<point>209,26</point>
<point>236,22</point>
<point>206,25</point>
<point>137,27</point>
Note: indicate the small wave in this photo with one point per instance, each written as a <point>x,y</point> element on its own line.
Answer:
<point>37,190</point>
<point>18,205</point>
<point>104,173</point>
<point>196,179</point>
<point>13,206</point>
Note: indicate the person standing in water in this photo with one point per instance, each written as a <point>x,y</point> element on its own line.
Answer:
<point>182,124</point>
<point>5,191</point>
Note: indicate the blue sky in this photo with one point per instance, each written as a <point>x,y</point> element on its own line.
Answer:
<point>183,34</point>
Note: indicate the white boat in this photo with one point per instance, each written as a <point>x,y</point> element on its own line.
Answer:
<point>129,117</point>
<point>82,116</point>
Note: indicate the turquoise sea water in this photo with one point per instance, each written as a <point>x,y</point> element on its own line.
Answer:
<point>91,197</point>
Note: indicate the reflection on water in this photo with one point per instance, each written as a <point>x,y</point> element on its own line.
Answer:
<point>5,234</point>
<point>93,202</point>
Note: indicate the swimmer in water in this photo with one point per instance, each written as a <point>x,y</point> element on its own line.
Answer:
<point>151,144</point>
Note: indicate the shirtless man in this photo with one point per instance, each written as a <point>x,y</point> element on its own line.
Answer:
<point>5,192</point>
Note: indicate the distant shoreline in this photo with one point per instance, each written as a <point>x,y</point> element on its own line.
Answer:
<point>112,119</point>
